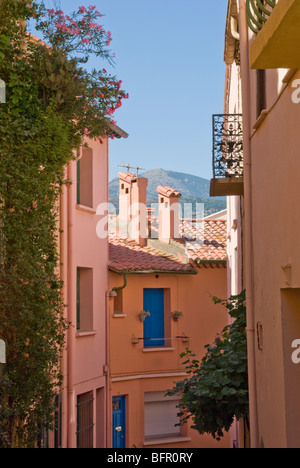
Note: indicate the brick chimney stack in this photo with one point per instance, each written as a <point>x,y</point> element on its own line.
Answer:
<point>133,221</point>
<point>169,218</point>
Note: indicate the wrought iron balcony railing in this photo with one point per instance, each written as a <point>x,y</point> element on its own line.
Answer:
<point>227,146</point>
<point>258,12</point>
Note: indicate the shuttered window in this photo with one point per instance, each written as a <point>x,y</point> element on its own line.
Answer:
<point>85,178</point>
<point>161,416</point>
<point>85,421</point>
<point>84,299</point>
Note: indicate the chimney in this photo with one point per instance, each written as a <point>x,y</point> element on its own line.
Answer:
<point>169,218</point>
<point>133,207</point>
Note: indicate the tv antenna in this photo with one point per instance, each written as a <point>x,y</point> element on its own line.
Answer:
<point>129,168</point>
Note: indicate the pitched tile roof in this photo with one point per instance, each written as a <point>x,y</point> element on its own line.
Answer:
<point>202,243</point>
<point>128,256</point>
<point>206,240</point>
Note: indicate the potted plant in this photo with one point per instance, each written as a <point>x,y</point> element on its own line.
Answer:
<point>176,315</point>
<point>143,315</point>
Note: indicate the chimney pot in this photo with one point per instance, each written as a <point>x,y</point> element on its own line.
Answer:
<point>133,207</point>
<point>168,213</point>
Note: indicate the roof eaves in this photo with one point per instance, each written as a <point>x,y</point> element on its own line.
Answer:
<point>150,272</point>
<point>118,132</point>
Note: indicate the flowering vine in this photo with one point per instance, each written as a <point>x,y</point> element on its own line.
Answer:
<point>52,103</point>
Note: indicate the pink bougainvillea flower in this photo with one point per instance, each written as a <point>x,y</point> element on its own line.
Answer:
<point>11,210</point>
<point>34,204</point>
<point>82,9</point>
<point>86,131</point>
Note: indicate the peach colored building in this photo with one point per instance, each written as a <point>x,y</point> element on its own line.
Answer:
<point>81,408</point>
<point>262,83</point>
<point>160,274</point>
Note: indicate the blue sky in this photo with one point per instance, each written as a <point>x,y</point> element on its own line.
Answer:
<point>169,55</point>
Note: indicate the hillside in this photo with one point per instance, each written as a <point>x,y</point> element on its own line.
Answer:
<point>192,188</point>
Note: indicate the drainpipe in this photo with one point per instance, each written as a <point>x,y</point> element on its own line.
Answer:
<point>63,276</point>
<point>108,381</point>
<point>70,345</point>
<point>251,340</point>
<point>121,287</point>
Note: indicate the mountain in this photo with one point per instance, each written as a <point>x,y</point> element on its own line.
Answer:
<point>193,189</point>
<point>187,184</point>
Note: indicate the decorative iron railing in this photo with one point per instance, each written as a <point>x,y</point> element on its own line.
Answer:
<point>258,12</point>
<point>227,146</point>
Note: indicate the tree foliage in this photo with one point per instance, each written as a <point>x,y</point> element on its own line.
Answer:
<point>216,389</point>
<point>51,104</point>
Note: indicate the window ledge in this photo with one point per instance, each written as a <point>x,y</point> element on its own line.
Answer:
<point>87,209</point>
<point>79,333</point>
<point>166,440</point>
<point>155,350</point>
<point>119,315</point>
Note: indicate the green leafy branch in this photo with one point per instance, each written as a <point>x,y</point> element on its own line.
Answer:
<point>216,389</point>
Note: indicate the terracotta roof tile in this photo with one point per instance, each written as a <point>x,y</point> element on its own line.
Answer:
<point>128,256</point>
<point>204,241</point>
<point>168,192</point>
<point>127,176</point>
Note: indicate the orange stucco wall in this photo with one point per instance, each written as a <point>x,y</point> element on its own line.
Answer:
<point>134,370</point>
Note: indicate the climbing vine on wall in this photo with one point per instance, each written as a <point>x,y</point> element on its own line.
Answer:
<point>52,102</point>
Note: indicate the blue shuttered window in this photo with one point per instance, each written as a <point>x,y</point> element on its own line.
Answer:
<point>154,325</point>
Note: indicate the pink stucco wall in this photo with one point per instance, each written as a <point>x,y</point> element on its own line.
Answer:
<point>84,361</point>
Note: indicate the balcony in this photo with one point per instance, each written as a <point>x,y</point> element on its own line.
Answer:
<point>276,26</point>
<point>228,165</point>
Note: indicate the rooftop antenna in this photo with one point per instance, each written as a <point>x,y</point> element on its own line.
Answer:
<point>136,169</point>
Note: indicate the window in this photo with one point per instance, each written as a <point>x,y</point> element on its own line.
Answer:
<point>85,422</point>
<point>85,178</point>
<point>260,92</point>
<point>161,416</point>
<point>118,302</point>
<point>58,422</point>
<point>84,320</point>
<point>154,325</point>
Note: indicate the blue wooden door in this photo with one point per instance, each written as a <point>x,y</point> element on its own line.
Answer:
<point>154,325</point>
<point>119,429</point>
